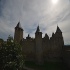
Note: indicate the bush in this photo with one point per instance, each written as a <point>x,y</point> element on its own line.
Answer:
<point>11,57</point>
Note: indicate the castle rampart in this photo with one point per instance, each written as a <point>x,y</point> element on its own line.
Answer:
<point>40,49</point>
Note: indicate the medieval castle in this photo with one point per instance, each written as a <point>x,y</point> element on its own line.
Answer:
<point>40,49</point>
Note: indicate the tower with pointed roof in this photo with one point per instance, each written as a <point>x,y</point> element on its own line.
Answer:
<point>58,35</point>
<point>38,42</point>
<point>18,35</point>
<point>56,45</point>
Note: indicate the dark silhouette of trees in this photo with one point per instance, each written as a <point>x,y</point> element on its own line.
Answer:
<point>11,55</point>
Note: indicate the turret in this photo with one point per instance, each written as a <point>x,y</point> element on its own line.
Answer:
<point>38,33</point>
<point>38,30</point>
<point>18,35</point>
<point>28,37</point>
<point>58,30</point>
<point>46,36</point>
<point>53,34</point>
<point>38,41</point>
<point>59,37</point>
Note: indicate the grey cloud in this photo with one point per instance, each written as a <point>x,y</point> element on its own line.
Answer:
<point>33,12</point>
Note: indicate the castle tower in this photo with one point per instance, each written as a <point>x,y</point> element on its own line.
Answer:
<point>18,35</point>
<point>59,41</point>
<point>38,41</point>
<point>59,34</point>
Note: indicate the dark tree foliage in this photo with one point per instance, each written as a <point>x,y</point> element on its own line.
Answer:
<point>11,56</point>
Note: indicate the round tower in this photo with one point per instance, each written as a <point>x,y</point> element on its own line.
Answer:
<point>18,35</point>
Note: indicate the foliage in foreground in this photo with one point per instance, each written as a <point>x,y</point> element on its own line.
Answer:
<point>11,56</point>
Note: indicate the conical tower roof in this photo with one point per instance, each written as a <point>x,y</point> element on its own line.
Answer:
<point>58,29</point>
<point>52,34</point>
<point>19,26</point>
<point>46,36</point>
<point>38,30</point>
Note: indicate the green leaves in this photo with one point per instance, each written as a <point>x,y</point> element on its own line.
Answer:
<point>11,56</point>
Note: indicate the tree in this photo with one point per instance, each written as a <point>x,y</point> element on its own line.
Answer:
<point>11,57</point>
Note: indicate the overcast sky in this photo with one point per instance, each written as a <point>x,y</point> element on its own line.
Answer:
<point>47,13</point>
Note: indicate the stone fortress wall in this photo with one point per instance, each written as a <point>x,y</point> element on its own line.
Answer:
<point>40,49</point>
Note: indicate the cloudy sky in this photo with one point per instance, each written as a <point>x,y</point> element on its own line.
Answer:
<point>31,13</point>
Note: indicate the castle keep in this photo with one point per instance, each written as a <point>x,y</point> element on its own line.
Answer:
<point>40,49</point>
